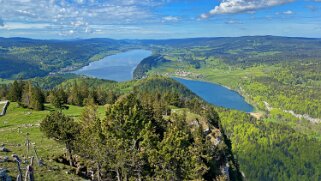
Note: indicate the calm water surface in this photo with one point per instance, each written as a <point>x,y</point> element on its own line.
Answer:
<point>119,67</point>
<point>217,95</point>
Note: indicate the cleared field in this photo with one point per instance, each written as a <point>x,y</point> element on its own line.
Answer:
<point>16,124</point>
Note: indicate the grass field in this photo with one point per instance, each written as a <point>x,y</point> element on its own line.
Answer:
<point>5,81</point>
<point>14,127</point>
<point>215,73</point>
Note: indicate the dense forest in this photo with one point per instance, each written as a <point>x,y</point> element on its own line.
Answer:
<point>147,64</point>
<point>270,150</point>
<point>277,75</point>
<point>74,92</point>
<point>140,136</point>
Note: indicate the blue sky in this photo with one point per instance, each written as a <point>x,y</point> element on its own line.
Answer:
<point>158,19</point>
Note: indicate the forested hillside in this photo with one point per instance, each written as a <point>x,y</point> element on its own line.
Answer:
<point>270,150</point>
<point>150,129</point>
<point>147,64</point>
<point>27,58</point>
<point>266,69</point>
<point>278,75</point>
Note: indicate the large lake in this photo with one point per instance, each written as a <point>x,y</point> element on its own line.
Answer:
<point>119,67</point>
<point>217,95</point>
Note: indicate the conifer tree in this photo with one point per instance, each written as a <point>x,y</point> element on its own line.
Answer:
<point>61,128</point>
<point>37,99</point>
<point>92,141</point>
<point>58,98</point>
<point>15,92</point>
<point>3,91</point>
<point>75,96</point>
<point>27,94</point>
<point>84,89</point>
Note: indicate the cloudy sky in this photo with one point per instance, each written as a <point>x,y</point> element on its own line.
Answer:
<point>158,19</point>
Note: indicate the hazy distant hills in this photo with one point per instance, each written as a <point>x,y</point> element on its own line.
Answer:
<point>25,58</point>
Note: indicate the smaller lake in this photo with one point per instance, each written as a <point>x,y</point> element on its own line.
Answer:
<point>217,95</point>
<point>119,67</point>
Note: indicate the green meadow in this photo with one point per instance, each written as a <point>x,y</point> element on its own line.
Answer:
<point>14,127</point>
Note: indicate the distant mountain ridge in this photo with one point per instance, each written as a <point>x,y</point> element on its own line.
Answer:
<point>27,58</point>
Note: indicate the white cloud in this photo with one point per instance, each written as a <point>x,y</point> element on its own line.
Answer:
<point>16,26</point>
<point>240,6</point>
<point>77,15</point>
<point>288,12</point>
<point>170,19</point>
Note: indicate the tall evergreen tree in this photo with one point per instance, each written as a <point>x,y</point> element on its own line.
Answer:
<point>37,99</point>
<point>27,94</point>
<point>3,91</point>
<point>61,128</point>
<point>75,95</point>
<point>58,98</point>
<point>15,92</point>
<point>92,141</point>
<point>125,121</point>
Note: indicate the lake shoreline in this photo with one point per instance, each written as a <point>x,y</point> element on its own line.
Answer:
<point>255,111</point>
<point>118,67</point>
<point>237,101</point>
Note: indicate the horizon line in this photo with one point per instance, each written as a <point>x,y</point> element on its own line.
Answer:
<point>156,39</point>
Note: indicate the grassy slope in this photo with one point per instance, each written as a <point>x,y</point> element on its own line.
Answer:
<point>27,121</point>
<point>5,81</point>
<point>224,76</point>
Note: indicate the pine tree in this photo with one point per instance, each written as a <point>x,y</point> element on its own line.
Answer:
<point>61,128</point>
<point>27,94</point>
<point>58,98</point>
<point>15,92</point>
<point>75,96</point>
<point>101,96</point>
<point>173,151</point>
<point>37,99</point>
<point>111,97</point>
<point>125,121</point>
<point>92,141</point>
<point>84,89</point>
<point>3,91</point>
